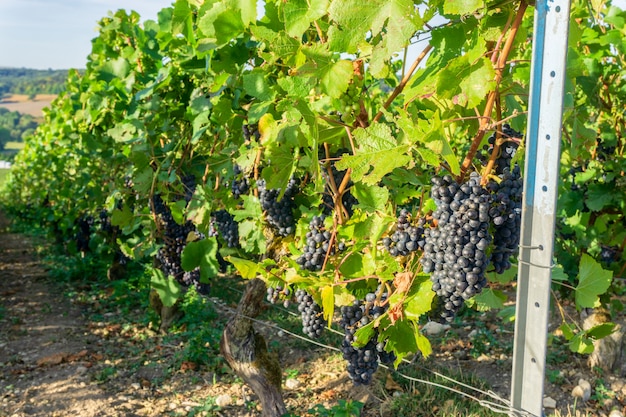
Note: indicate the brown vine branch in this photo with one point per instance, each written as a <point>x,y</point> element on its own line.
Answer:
<point>400,87</point>
<point>491,97</point>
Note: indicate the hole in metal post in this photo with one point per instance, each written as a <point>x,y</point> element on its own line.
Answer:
<point>537,304</point>
<point>533,360</point>
<point>548,137</point>
<point>540,247</point>
<point>552,74</point>
<point>557,9</point>
<point>544,188</point>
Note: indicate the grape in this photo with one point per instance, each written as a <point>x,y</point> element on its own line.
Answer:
<point>279,213</point>
<point>83,235</point>
<point>455,251</point>
<point>317,245</point>
<point>313,322</point>
<point>506,217</point>
<point>174,241</point>
<point>363,361</point>
<point>250,132</point>
<point>189,185</point>
<point>240,184</point>
<point>507,149</point>
<point>406,238</point>
<point>278,293</point>
<point>224,225</point>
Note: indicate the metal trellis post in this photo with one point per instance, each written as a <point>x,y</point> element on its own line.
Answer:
<point>547,80</point>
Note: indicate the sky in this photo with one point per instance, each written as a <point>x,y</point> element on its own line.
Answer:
<point>57,34</point>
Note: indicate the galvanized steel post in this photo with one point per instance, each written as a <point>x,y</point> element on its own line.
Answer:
<point>541,173</point>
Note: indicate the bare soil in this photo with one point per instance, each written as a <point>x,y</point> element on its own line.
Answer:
<point>60,356</point>
<point>21,103</point>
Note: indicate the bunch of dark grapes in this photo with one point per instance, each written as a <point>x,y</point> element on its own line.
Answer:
<point>505,215</point>
<point>83,235</point>
<point>250,132</point>
<point>240,184</point>
<point>363,361</point>
<point>278,293</point>
<point>347,199</point>
<point>279,213</point>
<point>224,225</point>
<point>175,238</point>
<point>455,250</point>
<point>313,322</point>
<point>317,245</point>
<point>406,238</point>
<point>507,150</point>
<point>105,222</point>
<point>189,186</point>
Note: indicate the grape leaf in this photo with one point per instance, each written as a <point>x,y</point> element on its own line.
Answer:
<point>203,254</point>
<point>488,299</point>
<point>334,74</point>
<point>601,330</point>
<point>593,280</point>
<point>255,84</point>
<point>378,154</point>
<point>371,197</point>
<point>328,302</point>
<point>419,302</point>
<point>462,7</point>
<point>168,289</point>
<point>247,269</point>
<point>300,13</point>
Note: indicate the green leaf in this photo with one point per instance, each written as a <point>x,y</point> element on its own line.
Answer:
<point>580,343</point>
<point>419,303</point>
<point>123,217</point>
<point>168,289</point>
<point>371,197</point>
<point>333,73</point>
<point>202,254</point>
<point>599,196</point>
<point>378,154</point>
<point>255,84</point>
<point>462,7</point>
<point>593,280</point>
<point>114,68</point>
<point>601,330</point>
<point>299,14</point>
<point>363,334</point>
<point>488,299</point>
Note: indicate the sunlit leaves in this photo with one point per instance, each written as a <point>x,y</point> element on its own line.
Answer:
<point>592,281</point>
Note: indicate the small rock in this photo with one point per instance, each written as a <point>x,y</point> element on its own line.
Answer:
<point>135,385</point>
<point>223,400</point>
<point>616,413</point>
<point>432,328</point>
<point>472,334</point>
<point>292,383</point>
<point>483,358</point>
<point>549,402</point>
<point>172,406</point>
<point>81,369</point>
<point>582,390</point>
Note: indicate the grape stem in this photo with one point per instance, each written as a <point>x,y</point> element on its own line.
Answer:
<point>491,97</point>
<point>403,82</point>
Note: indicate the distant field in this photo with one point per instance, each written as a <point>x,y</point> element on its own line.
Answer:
<point>14,146</point>
<point>21,103</point>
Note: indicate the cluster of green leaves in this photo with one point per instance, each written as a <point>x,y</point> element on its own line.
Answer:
<point>165,99</point>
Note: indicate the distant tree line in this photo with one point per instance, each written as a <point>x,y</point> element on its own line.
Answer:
<point>31,81</point>
<point>15,126</point>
